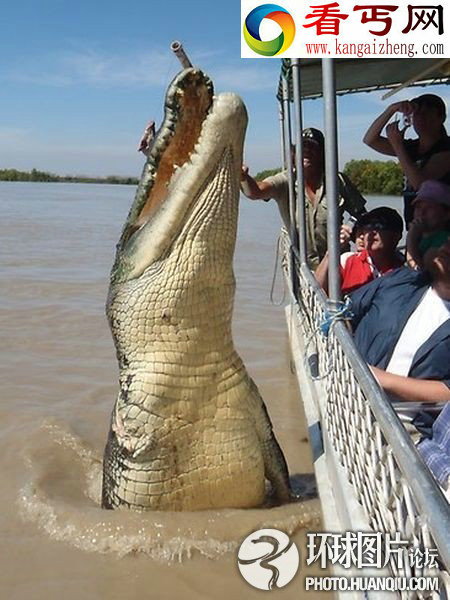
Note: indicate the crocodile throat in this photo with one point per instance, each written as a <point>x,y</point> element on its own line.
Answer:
<point>189,429</point>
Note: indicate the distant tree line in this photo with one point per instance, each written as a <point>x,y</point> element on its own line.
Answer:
<point>376,176</point>
<point>43,176</point>
<point>267,173</point>
<point>369,176</point>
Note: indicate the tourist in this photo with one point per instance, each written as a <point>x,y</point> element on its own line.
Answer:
<point>423,158</point>
<point>431,222</point>
<point>276,187</point>
<point>401,326</point>
<point>381,230</point>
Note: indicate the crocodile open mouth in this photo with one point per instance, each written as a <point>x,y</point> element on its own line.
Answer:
<point>188,102</point>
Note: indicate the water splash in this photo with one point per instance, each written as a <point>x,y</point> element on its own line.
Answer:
<point>62,497</point>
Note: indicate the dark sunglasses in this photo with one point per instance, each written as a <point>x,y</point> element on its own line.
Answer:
<point>375,226</point>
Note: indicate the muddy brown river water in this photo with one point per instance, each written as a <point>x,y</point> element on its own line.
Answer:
<point>59,381</point>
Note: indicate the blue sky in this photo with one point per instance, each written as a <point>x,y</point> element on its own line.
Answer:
<point>79,80</point>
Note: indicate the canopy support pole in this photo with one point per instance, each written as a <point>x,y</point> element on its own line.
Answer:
<point>331,178</point>
<point>289,166</point>
<point>301,213</point>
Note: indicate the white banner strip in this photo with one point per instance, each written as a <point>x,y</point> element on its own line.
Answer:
<point>345,29</point>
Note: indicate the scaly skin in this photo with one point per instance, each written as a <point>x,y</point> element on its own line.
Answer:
<point>189,430</point>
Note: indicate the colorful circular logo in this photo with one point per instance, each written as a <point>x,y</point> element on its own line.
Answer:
<point>277,14</point>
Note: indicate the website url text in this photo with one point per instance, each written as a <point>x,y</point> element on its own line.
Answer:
<point>376,48</point>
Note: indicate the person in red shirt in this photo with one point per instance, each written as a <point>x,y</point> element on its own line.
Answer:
<point>381,230</point>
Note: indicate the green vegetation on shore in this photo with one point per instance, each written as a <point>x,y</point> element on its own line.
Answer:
<point>369,176</point>
<point>376,176</point>
<point>44,177</point>
<point>267,173</point>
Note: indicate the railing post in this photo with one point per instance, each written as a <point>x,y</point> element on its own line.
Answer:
<point>301,213</point>
<point>290,172</point>
<point>331,178</point>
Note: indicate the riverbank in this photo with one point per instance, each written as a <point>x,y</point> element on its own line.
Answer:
<point>36,176</point>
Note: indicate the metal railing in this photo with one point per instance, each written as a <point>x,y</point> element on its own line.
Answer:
<point>387,475</point>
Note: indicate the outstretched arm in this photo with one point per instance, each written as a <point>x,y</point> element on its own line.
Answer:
<point>255,190</point>
<point>410,389</point>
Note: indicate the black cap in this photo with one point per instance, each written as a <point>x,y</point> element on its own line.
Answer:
<point>431,101</point>
<point>314,135</point>
<point>382,219</point>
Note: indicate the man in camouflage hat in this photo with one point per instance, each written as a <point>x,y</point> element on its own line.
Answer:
<point>276,187</point>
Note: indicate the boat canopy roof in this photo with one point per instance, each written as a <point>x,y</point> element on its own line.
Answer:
<point>366,74</point>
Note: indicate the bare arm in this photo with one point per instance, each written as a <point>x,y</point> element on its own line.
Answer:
<point>373,137</point>
<point>321,273</point>
<point>410,389</point>
<point>255,190</point>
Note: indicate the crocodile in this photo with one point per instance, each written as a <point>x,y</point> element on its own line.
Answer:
<point>189,429</point>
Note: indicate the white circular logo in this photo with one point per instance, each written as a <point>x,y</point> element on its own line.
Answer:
<point>268,559</point>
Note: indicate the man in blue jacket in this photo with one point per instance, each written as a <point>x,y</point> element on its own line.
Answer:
<point>401,327</point>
